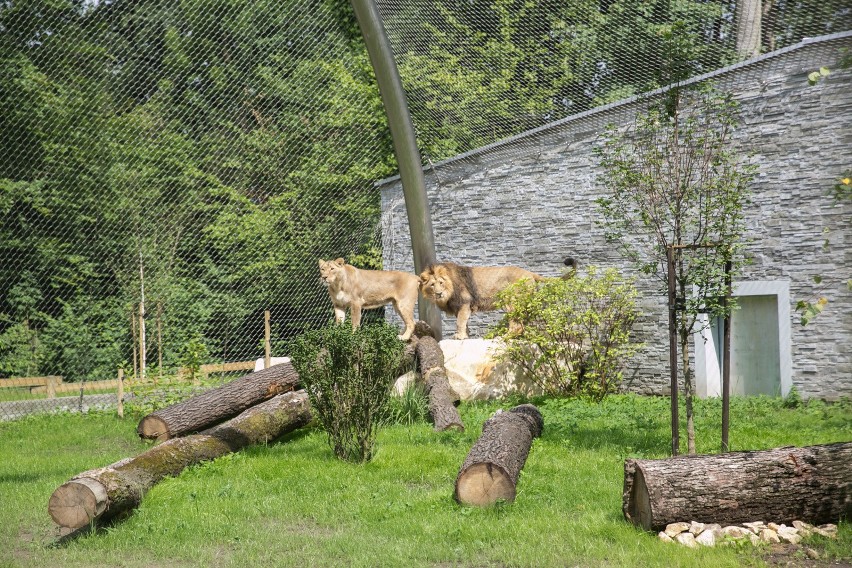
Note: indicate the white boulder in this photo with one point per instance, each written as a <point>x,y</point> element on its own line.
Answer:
<point>474,373</point>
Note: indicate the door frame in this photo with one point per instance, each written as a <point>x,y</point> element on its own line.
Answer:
<point>708,375</point>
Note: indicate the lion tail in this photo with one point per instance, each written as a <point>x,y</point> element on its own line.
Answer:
<point>572,263</point>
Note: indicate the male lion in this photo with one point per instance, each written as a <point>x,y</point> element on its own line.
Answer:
<point>461,290</point>
<point>359,289</point>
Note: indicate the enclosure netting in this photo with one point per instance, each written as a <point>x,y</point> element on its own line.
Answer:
<point>191,161</point>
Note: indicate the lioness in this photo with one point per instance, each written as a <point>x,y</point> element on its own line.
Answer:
<point>461,290</point>
<point>359,289</point>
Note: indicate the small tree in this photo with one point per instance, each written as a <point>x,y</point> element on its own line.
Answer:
<point>348,376</point>
<point>675,182</point>
<point>572,337</point>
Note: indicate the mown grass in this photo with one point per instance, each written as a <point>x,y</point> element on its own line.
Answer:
<point>292,503</point>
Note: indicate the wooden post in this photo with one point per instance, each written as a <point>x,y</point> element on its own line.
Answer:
<point>160,339</point>
<point>673,349</point>
<point>51,386</point>
<point>267,332</point>
<point>726,361</point>
<point>143,351</point>
<point>120,405</point>
<point>142,346</point>
<point>135,354</point>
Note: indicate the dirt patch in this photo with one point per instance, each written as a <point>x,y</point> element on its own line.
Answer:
<point>795,556</point>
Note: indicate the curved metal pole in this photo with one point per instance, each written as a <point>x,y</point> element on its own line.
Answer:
<point>404,146</point>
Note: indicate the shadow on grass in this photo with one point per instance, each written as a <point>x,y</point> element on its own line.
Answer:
<point>68,535</point>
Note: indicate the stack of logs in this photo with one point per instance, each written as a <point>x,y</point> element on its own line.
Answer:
<point>261,407</point>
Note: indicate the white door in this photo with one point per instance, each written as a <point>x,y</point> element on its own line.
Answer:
<point>755,346</point>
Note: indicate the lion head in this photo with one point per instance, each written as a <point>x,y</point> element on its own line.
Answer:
<point>436,284</point>
<point>331,270</point>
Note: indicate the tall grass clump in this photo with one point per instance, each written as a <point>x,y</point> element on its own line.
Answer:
<point>348,375</point>
<point>410,407</point>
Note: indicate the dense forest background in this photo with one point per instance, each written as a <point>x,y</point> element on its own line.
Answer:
<point>198,156</point>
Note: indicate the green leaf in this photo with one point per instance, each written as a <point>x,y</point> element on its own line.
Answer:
<point>824,71</point>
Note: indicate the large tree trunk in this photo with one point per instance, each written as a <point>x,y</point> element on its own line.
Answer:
<point>218,404</point>
<point>811,484</point>
<point>748,19</point>
<point>492,467</point>
<point>103,493</point>
<point>442,398</point>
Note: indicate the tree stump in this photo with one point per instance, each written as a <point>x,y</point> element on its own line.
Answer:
<point>812,484</point>
<point>492,467</point>
<point>103,493</point>
<point>216,405</point>
<point>442,398</point>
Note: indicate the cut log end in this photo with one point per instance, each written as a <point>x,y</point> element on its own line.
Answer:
<point>484,484</point>
<point>153,428</point>
<point>638,509</point>
<point>77,503</point>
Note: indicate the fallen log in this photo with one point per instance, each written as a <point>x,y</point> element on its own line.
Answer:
<point>811,484</point>
<point>103,493</point>
<point>442,398</point>
<point>491,469</point>
<point>216,405</point>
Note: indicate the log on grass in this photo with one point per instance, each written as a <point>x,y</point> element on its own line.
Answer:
<point>103,493</point>
<point>442,398</point>
<point>492,467</point>
<point>216,405</point>
<point>811,484</point>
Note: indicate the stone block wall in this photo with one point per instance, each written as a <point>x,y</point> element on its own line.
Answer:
<point>530,201</point>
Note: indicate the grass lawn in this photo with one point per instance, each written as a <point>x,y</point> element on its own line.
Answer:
<point>292,503</point>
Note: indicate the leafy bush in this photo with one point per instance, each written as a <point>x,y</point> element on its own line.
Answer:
<point>193,355</point>
<point>574,334</point>
<point>348,375</point>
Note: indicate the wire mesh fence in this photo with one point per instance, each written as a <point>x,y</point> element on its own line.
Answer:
<point>172,171</point>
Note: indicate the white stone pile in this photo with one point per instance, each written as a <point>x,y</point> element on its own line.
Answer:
<point>695,534</point>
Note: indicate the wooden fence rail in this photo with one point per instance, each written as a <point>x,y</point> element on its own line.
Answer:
<point>76,387</point>
<point>53,384</point>
<point>48,384</point>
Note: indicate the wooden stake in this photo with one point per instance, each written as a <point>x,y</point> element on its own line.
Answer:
<point>120,393</point>
<point>160,339</point>
<point>135,353</point>
<point>142,347</point>
<point>267,332</point>
<point>673,350</point>
<point>51,386</point>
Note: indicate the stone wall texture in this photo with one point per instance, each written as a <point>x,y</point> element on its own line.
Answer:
<point>530,201</point>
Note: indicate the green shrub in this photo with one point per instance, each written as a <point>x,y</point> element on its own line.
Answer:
<point>193,355</point>
<point>348,375</point>
<point>574,334</point>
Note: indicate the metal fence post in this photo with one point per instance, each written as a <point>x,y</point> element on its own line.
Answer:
<point>404,145</point>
